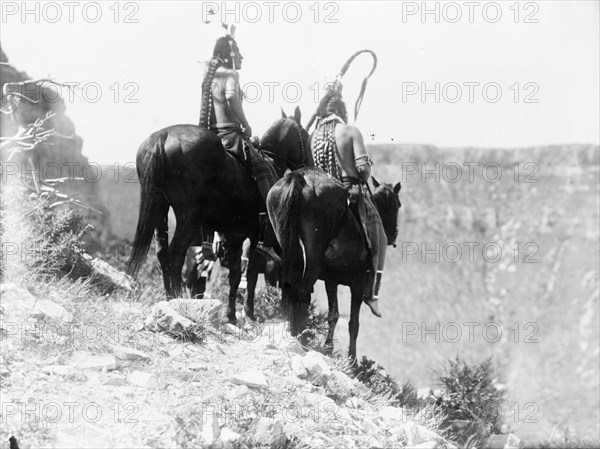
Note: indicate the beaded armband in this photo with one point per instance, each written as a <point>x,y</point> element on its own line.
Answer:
<point>362,160</point>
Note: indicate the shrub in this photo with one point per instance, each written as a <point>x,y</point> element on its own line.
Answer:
<point>471,397</point>
<point>381,383</point>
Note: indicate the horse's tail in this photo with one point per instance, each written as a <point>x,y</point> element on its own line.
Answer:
<point>287,218</point>
<point>150,170</point>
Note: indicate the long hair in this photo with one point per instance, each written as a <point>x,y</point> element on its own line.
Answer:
<point>223,55</point>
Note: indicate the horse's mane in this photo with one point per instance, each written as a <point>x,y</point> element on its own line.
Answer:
<point>271,135</point>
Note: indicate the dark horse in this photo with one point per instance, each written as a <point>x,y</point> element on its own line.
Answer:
<point>321,239</point>
<point>186,167</point>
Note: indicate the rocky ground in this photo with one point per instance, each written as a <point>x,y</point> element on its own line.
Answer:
<point>130,381</point>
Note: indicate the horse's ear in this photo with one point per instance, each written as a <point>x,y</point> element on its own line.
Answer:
<point>283,114</point>
<point>397,188</point>
<point>375,182</point>
<point>297,115</point>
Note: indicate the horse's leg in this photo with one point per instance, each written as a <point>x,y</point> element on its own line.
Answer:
<point>161,212</point>
<point>357,291</point>
<point>182,239</point>
<point>252,278</point>
<point>332,317</point>
<point>234,264</point>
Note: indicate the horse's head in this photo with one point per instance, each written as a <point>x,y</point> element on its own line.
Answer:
<point>286,141</point>
<point>387,202</point>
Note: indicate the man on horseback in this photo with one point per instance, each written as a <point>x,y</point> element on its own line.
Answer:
<point>222,107</point>
<point>339,149</point>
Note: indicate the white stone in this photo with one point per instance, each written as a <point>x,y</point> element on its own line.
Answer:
<point>143,379</point>
<point>269,433</point>
<point>252,378</point>
<point>44,309</point>
<point>504,441</point>
<point>315,364</point>
<point>84,360</point>
<point>339,385</point>
<point>298,367</point>
<point>125,353</point>
<point>16,304</point>
<point>416,434</point>
<point>198,310</point>
<point>197,366</point>
<point>427,445</point>
<point>230,329</point>
<point>210,429</point>
<point>117,381</point>
<point>239,393</point>
<point>228,436</point>
<point>294,348</point>
<point>163,318</point>
<point>60,370</point>
<point>393,415</point>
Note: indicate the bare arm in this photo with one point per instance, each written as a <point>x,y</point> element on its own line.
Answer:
<point>233,95</point>
<point>363,165</point>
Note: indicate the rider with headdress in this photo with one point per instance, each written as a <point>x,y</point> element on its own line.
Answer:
<point>222,111</point>
<point>339,150</point>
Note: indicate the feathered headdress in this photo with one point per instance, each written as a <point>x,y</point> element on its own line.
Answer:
<point>224,30</point>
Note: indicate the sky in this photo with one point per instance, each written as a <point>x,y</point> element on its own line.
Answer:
<point>451,74</point>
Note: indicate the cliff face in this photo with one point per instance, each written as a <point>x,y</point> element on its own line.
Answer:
<point>61,155</point>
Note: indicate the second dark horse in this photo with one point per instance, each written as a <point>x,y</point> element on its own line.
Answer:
<point>321,239</point>
<point>186,168</point>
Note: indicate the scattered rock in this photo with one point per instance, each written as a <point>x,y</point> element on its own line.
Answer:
<point>197,366</point>
<point>416,434</point>
<point>230,329</point>
<point>116,380</point>
<point>298,367</point>
<point>239,394</point>
<point>106,276</point>
<point>361,389</point>
<point>427,445</point>
<point>393,415</point>
<point>143,379</point>
<point>339,386</point>
<point>294,348</point>
<point>44,309</point>
<point>84,360</point>
<point>504,441</point>
<point>268,433</point>
<point>210,429</point>
<point>252,378</point>
<point>16,304</point>
<point>228,436</point>
<point>125,353</point>
<point>163,318</point>
<point>198,310</point>
<point>354,403</point>
<point>60,370</point>
<point>315,364</point>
